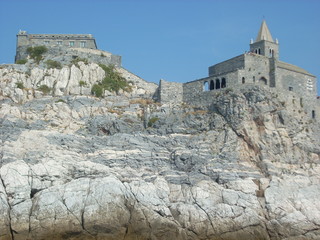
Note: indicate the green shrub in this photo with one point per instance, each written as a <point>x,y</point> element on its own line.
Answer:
<point>53,64</point>
<point>114,81</point>
<point>60,100</point>
<point>78,59</point>
<point>97,90</point>
<point>152,121</point>
<point>82,83</point>
<point>19,85</point>
<point>45,89</point>
<point>22,61</point>
<point>36,52</point>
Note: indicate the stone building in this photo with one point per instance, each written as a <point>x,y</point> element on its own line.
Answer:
<point>259,66</point>
<point>77,45</point>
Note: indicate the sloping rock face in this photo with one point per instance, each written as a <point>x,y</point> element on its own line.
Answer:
<point>73,79</point>
<point>78,167</point>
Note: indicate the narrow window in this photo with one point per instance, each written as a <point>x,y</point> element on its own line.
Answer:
<point>259,51</point>
<point>223,83</point>
<point>243,80</point>
<point>313,114</point>
<point>211,85</point>
<point>254,78</point>
<point>218,84</point>
<point>205,86</point>
<point>71,43</point>
<point>290,88</point>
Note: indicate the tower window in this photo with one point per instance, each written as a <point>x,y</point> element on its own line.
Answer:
<point>313,114</point>
<point>243,80</point>
<point>259,51</point>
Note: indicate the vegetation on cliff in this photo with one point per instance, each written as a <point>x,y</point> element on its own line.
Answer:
<point>36,52</point>
<point>113,82</point>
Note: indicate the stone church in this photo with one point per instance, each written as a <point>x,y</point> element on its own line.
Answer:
<point>259,66</point>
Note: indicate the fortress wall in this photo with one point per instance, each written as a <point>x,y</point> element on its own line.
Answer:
<point>65,55</point>
<point>227,66</point>
<point>89,43</point>
<point>170,92</point>
<point>193,90</point>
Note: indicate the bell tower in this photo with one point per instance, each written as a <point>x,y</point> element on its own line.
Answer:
<point>264,44</point>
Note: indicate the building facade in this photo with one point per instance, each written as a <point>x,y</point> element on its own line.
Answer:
<point>259,66</point>
<point>25,40</point>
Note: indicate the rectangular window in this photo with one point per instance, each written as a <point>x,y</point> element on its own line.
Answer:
<point>83,44</point>
<point>290,88</point>
<point>71,43</point>
<point>59,42</point>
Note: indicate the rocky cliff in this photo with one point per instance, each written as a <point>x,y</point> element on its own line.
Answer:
<point>123,167</point>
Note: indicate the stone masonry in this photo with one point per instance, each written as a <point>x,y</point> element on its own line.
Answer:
<point>260,66</point>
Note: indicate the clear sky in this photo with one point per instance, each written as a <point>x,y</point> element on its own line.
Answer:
<point>176,40</point>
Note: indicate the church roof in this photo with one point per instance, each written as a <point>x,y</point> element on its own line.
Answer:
<point>294,68</point>
<point>264,33</point>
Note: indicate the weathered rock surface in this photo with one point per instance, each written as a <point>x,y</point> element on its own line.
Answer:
<point>70,80</point>
<point>78,167</point>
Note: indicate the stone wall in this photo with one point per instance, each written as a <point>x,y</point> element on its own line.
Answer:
<point>68,40</point>
<point>256,67</point>
<point>302,84</point>
<point>227,66</point>
<point>170,92</point>
<point>25,40</point>
<point>65,55</point>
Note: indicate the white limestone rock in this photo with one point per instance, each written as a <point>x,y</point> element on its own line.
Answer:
<point>78,167</point>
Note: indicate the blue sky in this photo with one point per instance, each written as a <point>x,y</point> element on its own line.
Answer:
<point>176,40</point>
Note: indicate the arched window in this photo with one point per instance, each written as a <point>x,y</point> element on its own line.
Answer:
<point>259,51</point>
<point>256,51</point>
<point>313,114</point>
<point>211,85</point>
<point>243,80</point>
<point>205,86</point>
<point>263,80</point>
<point>218,84</point>
<point>223,83</point>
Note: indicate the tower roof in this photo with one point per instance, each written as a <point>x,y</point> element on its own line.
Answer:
<point>264,33</point>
